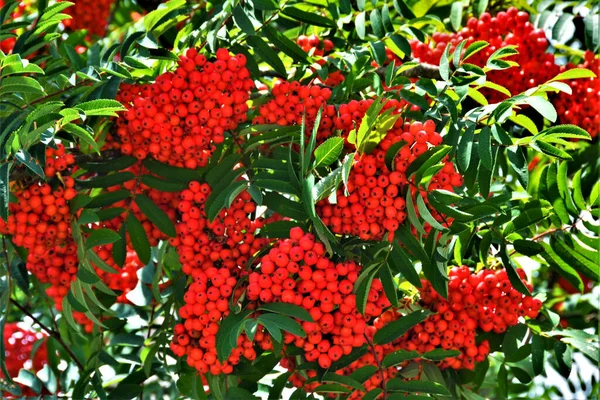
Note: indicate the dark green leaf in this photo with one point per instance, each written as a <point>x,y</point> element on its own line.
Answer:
<point>399,327</point>
<point>139,240</point>
<point>156,215</point>
<point>288,309</point>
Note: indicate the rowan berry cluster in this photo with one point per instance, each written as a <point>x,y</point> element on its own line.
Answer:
<point>297,271</point>
<point>375,203</point>
<point>315,44</point>
<point>90,15</point>
<point>57,160</point>
<point>18,353</point>
<point>506,28</point>
<point>486,300</point>
<point>40,222</point>
<point>215,255</point>
<point>581,107</point>
<point>187,111</point>
<point>292,101</point>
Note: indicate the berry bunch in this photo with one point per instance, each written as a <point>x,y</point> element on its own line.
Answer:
<point>506,28</point>
<point>581,107</point>
<point>486,300</point>
<point>188,111</point>
<point>57,160</point>
<point>18,353</point>
<point>315,44</point>
<point>292,101</point>
<point>90,15</point>
<point>214,254</point>
<point>40,222</point>
<point>375,203</point>
<point>296,271</point>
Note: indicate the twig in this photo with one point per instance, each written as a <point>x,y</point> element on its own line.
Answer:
<point>379,366</point>
<point>50,331</point>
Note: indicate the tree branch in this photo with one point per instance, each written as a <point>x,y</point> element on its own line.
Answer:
<point>50,331</point>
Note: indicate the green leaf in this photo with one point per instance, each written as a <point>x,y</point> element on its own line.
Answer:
<point>574,73</point>
<point>440,354</point>
<point>399,385</point>
<point>23,157</point>
<point>363,285</point>
<point>30,380</point>
<point>267,54</point>
<point>308,17</point>
<point>359,23</point>
<point>511,271</point>
<point>392,152</point>
<point>162,184</point>
<point>592,32</point>
<point>285,323</point>
<point>398,357</point>
<point>242,21</point>
<point>563,355</point>
<point>83,135</point>
<point>542,106</point>
<point>376,24</point>
<point>576,260</point>
<point>139,240</point>
<point>525,219</point>
<point>285,45</point>
<point>465,147</point>
<point>577,194</point>
<point>563,268</point>
<point>399,327</point>
<point>518,162</point>
<point>102,107</point>
<point>527,247</point>
<point>474,48</point>
<point>400,43</point>
<point>106,181</point>
<point>552,151</point>
<point>328,152</point>
<point>456,13</point>
<point>108,199</point>
<point>100,237</point>
<point>538,354</point>
<point>229,330</point>
<point>565,131</point>
<point>291,310</point>
<point>389,285</point>
<point>156,215</point>
<point>445,63</point>
<point>479,7</point>
<point>401,263</point>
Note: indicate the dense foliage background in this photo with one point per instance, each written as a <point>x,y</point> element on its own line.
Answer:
<point>343,199</point>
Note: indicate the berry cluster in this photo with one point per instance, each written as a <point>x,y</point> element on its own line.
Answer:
<point>18,353</point>
<point>296,271</point>
<point>187,111</point>
<point>40,222</point>
<point>506,28</point>
<point>482,301</point>
<point>375,202</point>
<point>215,255</point>
<point>90,15</point>
<point>57,160</point>
<point>581,107</point>
<point>292,101</point>
<point>315,44</point>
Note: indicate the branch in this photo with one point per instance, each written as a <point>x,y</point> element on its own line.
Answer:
<point>51,332</point>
